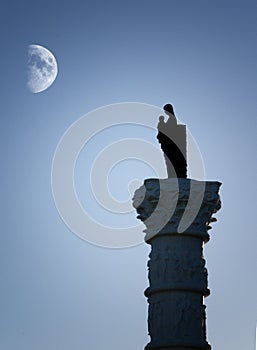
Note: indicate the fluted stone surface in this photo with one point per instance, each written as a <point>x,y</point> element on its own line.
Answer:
<point>177,272</point>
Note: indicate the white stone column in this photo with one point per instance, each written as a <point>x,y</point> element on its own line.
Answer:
<point>176,228</point>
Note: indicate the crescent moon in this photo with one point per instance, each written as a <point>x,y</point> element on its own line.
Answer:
<point>42,68</point>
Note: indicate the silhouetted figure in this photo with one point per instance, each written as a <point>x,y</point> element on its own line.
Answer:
<point>172,137</point>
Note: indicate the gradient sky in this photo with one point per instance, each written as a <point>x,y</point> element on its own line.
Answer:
<point>59,292</point>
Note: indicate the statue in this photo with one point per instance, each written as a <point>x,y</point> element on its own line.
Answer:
<point>172,137</point>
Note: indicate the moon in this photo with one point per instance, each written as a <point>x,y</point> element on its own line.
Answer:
<point>42,68</point>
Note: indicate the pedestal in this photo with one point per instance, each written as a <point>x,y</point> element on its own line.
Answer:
<point>177,225</point>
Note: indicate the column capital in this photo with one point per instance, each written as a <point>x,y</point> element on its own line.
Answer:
<point>177,206</point>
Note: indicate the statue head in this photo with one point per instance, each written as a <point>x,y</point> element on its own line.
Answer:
<point>168,109</point>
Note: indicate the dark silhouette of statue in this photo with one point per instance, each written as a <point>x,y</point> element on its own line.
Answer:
<point>172,137</point>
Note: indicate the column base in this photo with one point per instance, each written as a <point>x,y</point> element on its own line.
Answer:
<point>174,346</point>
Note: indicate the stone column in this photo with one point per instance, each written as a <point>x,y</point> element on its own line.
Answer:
<point>177,225</point>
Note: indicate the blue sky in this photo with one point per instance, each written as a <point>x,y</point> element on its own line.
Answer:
<point>58,291</point>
